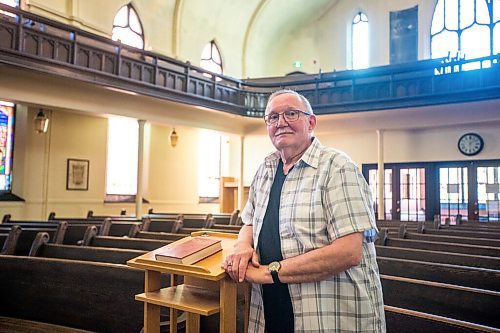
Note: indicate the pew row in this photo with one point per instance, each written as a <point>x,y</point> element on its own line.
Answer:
<point>459,259</point>
<point>386,239</point>
<point>480,278</point>
<point>462,303</point>
<point>408,321</point>
<point>42,248</point>
<point>91,238</point>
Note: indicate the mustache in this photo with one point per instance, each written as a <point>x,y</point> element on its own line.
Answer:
<point>283,131</point>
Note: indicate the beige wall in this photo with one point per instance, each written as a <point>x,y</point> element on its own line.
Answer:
<point>256,39</point>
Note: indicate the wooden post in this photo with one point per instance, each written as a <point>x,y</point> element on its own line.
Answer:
<point>151,311</point>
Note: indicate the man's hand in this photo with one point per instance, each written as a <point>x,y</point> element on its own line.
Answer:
<point>236,263</point>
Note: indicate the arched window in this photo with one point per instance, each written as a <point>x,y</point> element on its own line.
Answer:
<point>6,145</point>
<point>360,41</point>
<point>211,59</point>
<point>465,29</point>
<point>127,27</point>
<point>123,143</point>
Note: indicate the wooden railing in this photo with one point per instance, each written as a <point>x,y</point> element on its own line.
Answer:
<point>37,43</point>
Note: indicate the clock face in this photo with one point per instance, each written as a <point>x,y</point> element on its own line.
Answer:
<point>470,144</point>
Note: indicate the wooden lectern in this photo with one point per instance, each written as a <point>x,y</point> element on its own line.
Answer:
<point>206,290</point>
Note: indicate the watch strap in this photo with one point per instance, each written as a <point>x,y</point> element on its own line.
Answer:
<point>274,275</point>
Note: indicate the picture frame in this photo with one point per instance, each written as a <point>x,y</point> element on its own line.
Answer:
<point>77,175</point>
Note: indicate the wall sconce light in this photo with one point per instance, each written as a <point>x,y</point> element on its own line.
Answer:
<point>173,138</point>
<point>41,122</point>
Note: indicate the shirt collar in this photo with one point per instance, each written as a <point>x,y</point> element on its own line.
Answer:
<point>310,156</point>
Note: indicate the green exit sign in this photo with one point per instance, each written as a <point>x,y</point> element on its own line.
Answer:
<point>297,64</point>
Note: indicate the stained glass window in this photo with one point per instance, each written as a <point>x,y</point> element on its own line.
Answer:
<point>6,145</point>
<point>360,41</point>
<point>127,27</point>
<point>211,59</point>
<point>465,29</point>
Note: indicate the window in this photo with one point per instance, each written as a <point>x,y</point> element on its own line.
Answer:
<point>6,145</point>
<point>123,143</point>
<point>403,35</point>
<point>127,27</point>
<point>211,59</point>
<point>209,165</point>
<point>12,3</point>
<point>360,47</point>
<point>465,29</point>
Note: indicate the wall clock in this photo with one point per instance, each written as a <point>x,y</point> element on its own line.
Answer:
<point>470,144</point>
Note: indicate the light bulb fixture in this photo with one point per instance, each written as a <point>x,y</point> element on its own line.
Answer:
<point>173,138</point>
<point>41,122</point>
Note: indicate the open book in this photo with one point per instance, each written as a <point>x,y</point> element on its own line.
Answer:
<point>190,251</point>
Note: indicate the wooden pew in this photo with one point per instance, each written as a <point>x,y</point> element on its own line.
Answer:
<point>87,295</point>
<point>92,239</point>
<point>462,303</point>
<point>428,235</point>
<point>122,228</point>
<point>23,239</point>
<point>445,247</point>
<point>463,233</point>
<point>162,225</point>
<point>489,251</point>
<point>65,233</point>
<point>408,321</point>
<point>159,235</point>
<point>481,278</point>
<point>3,238</point>
<point>459,259</point>
<point>42,248</point>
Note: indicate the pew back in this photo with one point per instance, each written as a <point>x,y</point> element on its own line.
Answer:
<point>86,295</point>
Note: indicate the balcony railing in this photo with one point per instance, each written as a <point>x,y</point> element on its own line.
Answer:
<point>37,43</point>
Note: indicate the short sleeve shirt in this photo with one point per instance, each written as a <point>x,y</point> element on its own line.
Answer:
<point>324,197</point>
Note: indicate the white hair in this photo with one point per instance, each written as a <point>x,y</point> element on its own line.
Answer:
<point>304,100</point>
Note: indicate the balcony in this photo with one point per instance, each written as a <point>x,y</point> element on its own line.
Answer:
<point>36,43</point>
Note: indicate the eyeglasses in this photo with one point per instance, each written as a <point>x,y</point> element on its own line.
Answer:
<point>288,115</point>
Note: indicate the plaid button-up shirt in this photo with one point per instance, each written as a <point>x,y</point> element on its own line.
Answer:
<point>324,197</point>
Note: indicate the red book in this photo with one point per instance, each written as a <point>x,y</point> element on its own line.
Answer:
<point>190,251</point>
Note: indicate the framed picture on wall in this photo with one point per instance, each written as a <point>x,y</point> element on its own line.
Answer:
<point>77,175</point>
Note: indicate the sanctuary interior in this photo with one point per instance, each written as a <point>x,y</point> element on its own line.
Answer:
<point>157,106</point>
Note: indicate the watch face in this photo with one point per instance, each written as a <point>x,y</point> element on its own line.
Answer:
<point>470,144</point>
<point>274,266</point>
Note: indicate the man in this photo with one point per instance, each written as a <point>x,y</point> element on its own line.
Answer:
<point>307,240</point>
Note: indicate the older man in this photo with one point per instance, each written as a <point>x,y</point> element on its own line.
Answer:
<point>307,240</point>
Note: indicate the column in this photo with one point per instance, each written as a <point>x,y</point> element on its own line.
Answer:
<point>241,187</point>
<point>140,169</point>
<point>381,174</point>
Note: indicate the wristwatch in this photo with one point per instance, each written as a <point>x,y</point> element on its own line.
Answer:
<point>274,268</point>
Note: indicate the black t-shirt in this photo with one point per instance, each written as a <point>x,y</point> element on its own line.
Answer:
<point>278,311</point>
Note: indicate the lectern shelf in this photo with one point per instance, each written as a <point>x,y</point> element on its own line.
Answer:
<point>206,290</point>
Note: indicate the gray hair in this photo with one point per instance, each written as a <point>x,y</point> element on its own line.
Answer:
<point>291,92</point>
